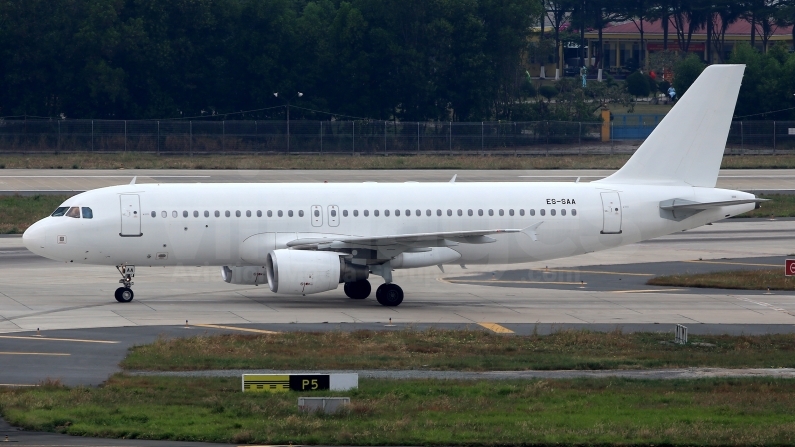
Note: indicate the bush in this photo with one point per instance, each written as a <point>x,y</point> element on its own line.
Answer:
<point>686,72</point>
<point>528,90</point>
<point>638,84</point>
<point>663,86</point>
<point>548,91</point>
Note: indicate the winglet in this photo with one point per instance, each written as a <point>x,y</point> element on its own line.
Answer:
<point>133,180</point>
<point>531,231</point>
<point>452,180</point>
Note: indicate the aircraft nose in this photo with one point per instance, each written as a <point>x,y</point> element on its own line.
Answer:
<point>34,237</point>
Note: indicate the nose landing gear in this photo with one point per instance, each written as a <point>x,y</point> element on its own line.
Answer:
<point>125,294</point>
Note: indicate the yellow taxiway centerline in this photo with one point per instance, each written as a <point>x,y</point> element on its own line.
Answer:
<point>76,340</point>
<point>232,328</point>
<point>736,263</point>
<point>593,271</point>
<point>59,354</point>
<point>494,327</point>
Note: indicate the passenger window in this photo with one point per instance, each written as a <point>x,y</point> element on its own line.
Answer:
<point>174,214</point>
<point>543,211</point>
<point>344,213</point>
<point>366,213</point>
<point>573,212</point>
<point>419,213</point>
<point>259,213</point>
<point>480,212</point>
<point>206,214</point>
<point>248,213</point>
<point>449,212</point>
<point>60,211</point>
<point>227,214</point>
<point>521,212</point>
<point>154,213</point>
<point>552,212</point>
<point>300,213</point>
<point>333,213</point>
<point>428,213</point>
<point>532,212</point>
<point>270,213</point>
<point>470,212</point>
<point>290,213</point>
<point>164,214</point>
<point>73,212</point>
<point>438,212</point>
<point>375,213</point>
<point>237,213</point>
<point>502,212</point>
<point>317,213</point>
<point>397,213</point>
<point>279,213</point>
<point>195,214</point>
<point>355,213</point>
<point>563,212</point>
<point>460,213</point>
<point>184,213</point>
<point>87,213</point>
<point>510,212</point>
<point>217,213</point>
<point>491,212</point>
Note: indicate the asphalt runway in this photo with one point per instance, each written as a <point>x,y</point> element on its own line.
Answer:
<point>38,181</point>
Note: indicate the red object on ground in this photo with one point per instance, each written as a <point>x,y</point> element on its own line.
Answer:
<point>653,75</point>
<point>789,267</point>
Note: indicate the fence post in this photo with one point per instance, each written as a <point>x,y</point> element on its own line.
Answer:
<point>418,137</point>
<point>612,143</point>
<point>481,137</point>
<point>579,140</point>
<point>354,137</point>
<point>321,137</point>
<point>125,135</point>
<point>92,135</point>
<point>190,138</point>
<point>742,139</point>
<point>451,137</point>
<point>774,138</point>
<point>223,135</point>
<point>59,135</point>
<point>158,138</point>
<point>384,137</point>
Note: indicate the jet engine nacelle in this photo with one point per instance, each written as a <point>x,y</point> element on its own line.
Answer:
<point>301,272</point>
<point>244,275</point>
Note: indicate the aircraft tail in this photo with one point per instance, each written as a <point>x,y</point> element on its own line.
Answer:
<point>687,146</point>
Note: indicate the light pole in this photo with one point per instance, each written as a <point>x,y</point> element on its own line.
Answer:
<point>297,95</point>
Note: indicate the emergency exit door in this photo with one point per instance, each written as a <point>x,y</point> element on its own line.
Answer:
<point>611,213</point>
<point>130,215</point>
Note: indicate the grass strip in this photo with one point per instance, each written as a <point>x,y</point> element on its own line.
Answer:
<point>422,412</point>
<point>132,160</point>
<point>779,205</point>
<point>17,213</point>
<point>772,279</point>
<point>473,350</point>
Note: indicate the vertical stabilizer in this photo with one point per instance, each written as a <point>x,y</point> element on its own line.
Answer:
<point>686,148</point>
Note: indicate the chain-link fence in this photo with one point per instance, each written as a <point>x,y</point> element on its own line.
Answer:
<point>360,137</point>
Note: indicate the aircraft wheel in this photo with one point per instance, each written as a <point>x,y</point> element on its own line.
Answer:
<point>124,294</point>
<point>358,290</point>
<point>389,295</point>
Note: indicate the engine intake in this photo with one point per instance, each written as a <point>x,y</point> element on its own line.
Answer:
<point>301,272</point>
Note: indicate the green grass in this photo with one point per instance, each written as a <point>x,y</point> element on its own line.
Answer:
<point>780,205</point>
<point>17,213</point>
<point>772,279</point>
<point>151,161</point>
<point>474,350</point>
<point>422,412</point>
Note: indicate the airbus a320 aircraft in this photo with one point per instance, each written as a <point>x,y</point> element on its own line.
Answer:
<point>309,238</point>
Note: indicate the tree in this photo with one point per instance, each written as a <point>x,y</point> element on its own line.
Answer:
<point>638,84</point>
<point>686,72</point>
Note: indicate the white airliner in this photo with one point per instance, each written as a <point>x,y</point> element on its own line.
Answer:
<point>308,238</point>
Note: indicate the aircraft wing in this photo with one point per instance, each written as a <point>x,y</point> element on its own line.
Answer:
<point>684,204</point>
<point>442,238</point>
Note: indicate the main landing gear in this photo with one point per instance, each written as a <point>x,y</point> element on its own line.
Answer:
<point>125,294</point>
<point>389,295</point>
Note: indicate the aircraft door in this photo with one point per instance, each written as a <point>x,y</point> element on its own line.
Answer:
<point>317,216</point>
<point>130,215</point>
<point>611,213</point>
<point>333,215</point>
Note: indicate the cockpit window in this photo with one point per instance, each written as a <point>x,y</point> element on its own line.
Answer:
<point>87,213</point>
<point>73,212</point>
<point>60,211</point>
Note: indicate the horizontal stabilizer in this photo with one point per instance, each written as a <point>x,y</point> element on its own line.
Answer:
<point>684,204</point>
